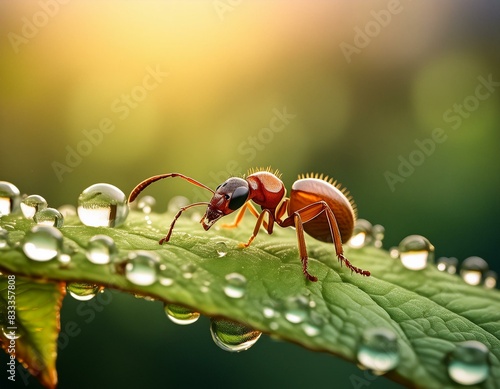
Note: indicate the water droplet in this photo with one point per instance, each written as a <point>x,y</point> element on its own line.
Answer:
<point>49,217</point>
<point>101,249</point>
<point>102,205</point>
<point>82,291</point>
<point>232,336</point>
<point>176,203</point>
<point>11,333</point>
<point>9,198</point>
<point>490,279</point>
<point>268,312</point>
<point>42,243</point>
<point>64,259</point>
<point>146,204</point>
<point>394,252</point>
<point>167,275</point>
<point>416,252</point>
<point>468,363</point>
<point>378,232</point>
<point>296,309</point>
<point>378,350</point>
<point>362,234</point>
<point>142,268</point>
<point>310,329</point>
<point>67,210</point>
<point>188,270</point>
<point>180,314</point>
<point>221,249</point>
<point>4,239</point>
<point>473,269</point>
<point>32,204</point>
<point>448,265</point>
<point>235,285</point>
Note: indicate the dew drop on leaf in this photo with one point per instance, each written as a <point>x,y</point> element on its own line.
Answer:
<point>146,204</point>
<point>468,363</point>
<point>180,314</point>
<point>490,279</point>
<point>101,249</point>
<point>448,265</point>
<point>235,286</point>
<point>10,332</point>
<point>221,249</point>
<point>9,198</point>
<point>49,217</point>
<point>416,252</point>
<point>188,270</point>
<point>42,243</point>
<point>67,210</point>
<point>82,291</point>
<point>32,204</point>
<point>473,269</point>
<point>362,234</point>
<point>296,309</point>
<point>4,239</point>
<point>102,205</point>
<point>378,350</point>
<point>142,268</point>
<point>232,336</point>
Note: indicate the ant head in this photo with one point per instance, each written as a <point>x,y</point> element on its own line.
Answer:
<point>228,197</point>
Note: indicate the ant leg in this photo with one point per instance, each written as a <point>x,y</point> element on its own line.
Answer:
<point>260,221</point>
<point>308,213</point>
<point>241,213</point>
<point>339,250</point>
<point>302,246</point>
<point>177,215</point>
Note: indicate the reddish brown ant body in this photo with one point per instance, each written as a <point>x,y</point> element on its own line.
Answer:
<point>316,205</point>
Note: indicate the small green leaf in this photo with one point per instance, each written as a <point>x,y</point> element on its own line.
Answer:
<point>36,327</point>
<point>263,287</point>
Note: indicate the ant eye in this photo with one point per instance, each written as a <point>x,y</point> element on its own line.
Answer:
<point>239,197</point>
<point>226,197</point>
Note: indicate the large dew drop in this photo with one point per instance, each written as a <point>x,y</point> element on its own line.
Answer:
<point>416,252</point>
<point>142,268</point>
<point>101,249</point>
<point>82,291</point>
<point>102,205</point>
<point>30,205</point>
<point>232,336</point>
<point>468,363</point>
<point>42,243</point>
<point>9,198</point>
<point>473,269</point>
<point>378,350</point>
<point>180,314</point>
<point>49,217</point>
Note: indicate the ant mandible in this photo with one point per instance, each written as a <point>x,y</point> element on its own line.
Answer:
<point>316,205</point>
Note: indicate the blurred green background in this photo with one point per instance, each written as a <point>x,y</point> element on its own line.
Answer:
<point>198,87</point>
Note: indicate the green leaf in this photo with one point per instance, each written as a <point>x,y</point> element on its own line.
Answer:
<point>35,327</point>
<point>430,311</point>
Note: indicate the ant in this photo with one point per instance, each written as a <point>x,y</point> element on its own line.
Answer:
<point>317,205</point>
